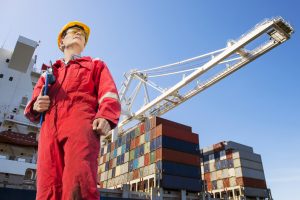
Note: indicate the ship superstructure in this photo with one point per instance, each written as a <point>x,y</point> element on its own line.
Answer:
<point>18,145</point>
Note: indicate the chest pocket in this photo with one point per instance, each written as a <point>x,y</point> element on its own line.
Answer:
<point>78,77</point>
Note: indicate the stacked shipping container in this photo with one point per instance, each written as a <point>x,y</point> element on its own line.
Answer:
<point>157,152</point>
<point>231,169</point>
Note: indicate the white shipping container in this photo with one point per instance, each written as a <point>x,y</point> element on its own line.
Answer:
<point>126,157</point>
<point>152,168</point>
<point>141,161</point>
<point>107,156</point>
<point>103,176</point>
<point>146,170</point>
<point>231,172</point>
<point>220,184</point>
<point>125,167</point>
<point>232,181</point>
<point>118,170</point>
<point>146,147</point>
<point>219,174</point>
<point>222,155</point>
<point>213,176</point>
<point>105,149</point>
<point>104,184</point>
<point>114,163</point>
<point>102,168</point>
<point>119,151</point>
<point>212,167</point>
<point>208,149</point>
<point>225,173</point>
<point>101,160</point>
<point>142,139</point>
<point>109,174</point>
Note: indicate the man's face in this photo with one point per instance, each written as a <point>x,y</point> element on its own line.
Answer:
<point>74,36</point>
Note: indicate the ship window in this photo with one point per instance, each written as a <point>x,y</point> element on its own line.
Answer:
<point>1,75</point>
<point>11,78</point>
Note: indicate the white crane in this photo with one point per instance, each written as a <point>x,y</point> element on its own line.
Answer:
<point>203,71</point>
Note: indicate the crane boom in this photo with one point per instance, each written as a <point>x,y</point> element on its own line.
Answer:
<point>231,58</point>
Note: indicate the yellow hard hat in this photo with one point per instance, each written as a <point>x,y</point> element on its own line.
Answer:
<point>71,24</point>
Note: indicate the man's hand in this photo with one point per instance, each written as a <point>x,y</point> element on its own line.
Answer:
<point>42,103</point>
<point>101,126</point>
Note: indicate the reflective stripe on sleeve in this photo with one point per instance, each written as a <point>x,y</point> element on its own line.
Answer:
<point>110,95</point>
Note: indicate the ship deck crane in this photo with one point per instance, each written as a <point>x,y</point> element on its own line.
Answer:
<point>213,66</point>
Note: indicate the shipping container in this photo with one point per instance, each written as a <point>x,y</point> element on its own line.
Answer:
<point>180,157</point>
<point>248,164</point>
<point>179,134</point>
<point>250,173</point>
<point>247,156</point>
<point>251,182</point>
<point>177,169</point>
<point>177,182</point>
<point>175,144</point>
<point>156,121</point>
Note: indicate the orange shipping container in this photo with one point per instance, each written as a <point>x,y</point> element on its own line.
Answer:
<point>177,156</point>
<point>152,134</point>
<point>132,144</point>
<point>137,141</point>
<point>156,121</point>
<point>135,174</point>
<point>251,182</point>
<point>229,154</point>
<point>207,177</point>
<point>142,128</point>
<point>147,159</point>
<point>209,186</point>
<point>226,182</point>
<point>184,135</point>
<point>112,146</point>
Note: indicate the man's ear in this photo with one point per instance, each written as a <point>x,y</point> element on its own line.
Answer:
<point>62,44</point>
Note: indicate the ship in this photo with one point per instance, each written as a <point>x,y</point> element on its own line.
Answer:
<point>153,159</point>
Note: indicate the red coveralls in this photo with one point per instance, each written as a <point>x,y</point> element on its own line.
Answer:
<point>68,147</point>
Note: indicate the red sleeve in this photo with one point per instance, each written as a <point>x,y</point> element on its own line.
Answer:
<point>29,112</point>
<point>109,106</point>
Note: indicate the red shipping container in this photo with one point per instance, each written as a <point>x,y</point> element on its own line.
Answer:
<point>153,134</point>
<point>110,164</point>
<point>229,154</point>
<point>207,177</point>
<point>209,186</point>
<point>135,174</point>
<point>218,147</point>
<point>177,134</point>
<point>132,144</point>
<point>251,182</point>
<point>155,121</point>
<point>147,159</point>
<point>180,157</point>
<point>112,146</point>
<point>158,154</point>
<point>226,182</point>
<point>142,128</point>
<point>104,158</point>
<point>137,141</point>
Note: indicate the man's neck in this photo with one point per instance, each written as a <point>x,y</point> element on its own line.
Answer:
<point>69,53</point>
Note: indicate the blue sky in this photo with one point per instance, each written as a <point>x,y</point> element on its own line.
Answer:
<point>257,106</point>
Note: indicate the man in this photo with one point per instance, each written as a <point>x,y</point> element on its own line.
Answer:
<point>81,106</point>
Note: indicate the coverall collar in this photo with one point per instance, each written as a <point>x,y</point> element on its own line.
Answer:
<point>76,58</point>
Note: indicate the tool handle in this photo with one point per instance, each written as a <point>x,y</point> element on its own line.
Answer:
<point>44,92</point>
